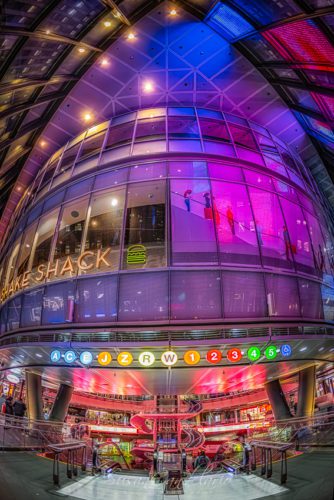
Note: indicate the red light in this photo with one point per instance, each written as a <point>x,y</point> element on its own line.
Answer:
<point>302,41</point>
<point>234,355</point>
<point>214,356</point>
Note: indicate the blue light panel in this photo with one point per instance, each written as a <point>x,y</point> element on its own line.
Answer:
<point>228,22</point>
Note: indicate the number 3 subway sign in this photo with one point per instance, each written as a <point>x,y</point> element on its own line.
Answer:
<point>86,261</point>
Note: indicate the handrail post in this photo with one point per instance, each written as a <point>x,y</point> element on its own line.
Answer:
<point>269,463</point>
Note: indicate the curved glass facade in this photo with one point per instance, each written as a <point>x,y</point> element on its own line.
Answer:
<point>175,215</point>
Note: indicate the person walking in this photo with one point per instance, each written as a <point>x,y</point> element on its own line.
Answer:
<point>230,219</point>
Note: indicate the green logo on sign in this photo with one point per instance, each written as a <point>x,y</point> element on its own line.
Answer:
<point>270,352</point>
<point>136,254</point>
<point>253,353</point>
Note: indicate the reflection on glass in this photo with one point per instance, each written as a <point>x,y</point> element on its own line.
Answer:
<point>182,127</point>
<point>145,226</point>
<point>270,229</point>
<point>298,240</point>
<point>214,129</point>
<point>234,223</point>
<point>151,128</point>
<point>120,134</point>
<point>11,262</point>
<point>42,242</point>
<point>91,145</point>
<point>193,229</point>
<point>25,251</point>
<point>70,233</point>
<point>105,226</point>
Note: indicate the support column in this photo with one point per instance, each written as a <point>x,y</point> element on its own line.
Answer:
<point>34,396</point>
<point>306,392</point>
<point>61,403</point>
<point>277,400</point>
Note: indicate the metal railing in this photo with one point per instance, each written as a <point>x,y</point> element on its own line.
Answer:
<point>156,336</point>
<point>23,433</point>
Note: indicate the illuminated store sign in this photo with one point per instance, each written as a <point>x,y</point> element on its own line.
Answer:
<point>86,261</point>
<point>170,358</point>
<point>136,254</point>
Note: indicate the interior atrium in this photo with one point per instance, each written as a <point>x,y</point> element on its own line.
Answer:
<point>167,249</point>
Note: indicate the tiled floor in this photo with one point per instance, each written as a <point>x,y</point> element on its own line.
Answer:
<point>217,487</point>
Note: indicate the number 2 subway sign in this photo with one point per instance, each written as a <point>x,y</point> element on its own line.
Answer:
<point>70,266</point>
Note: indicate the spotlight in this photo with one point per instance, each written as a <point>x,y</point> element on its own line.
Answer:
<point>173,12</point>
<point>148,87</point>
<point>88,117</point>
<point>42,143</point>
<point>107,24</point>
<point>104,62</point>
<point>81,50</point>
<point>114,202</point>
<point>131,36</point>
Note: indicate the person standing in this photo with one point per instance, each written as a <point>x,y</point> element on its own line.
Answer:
<point>230,219</point>
<point>287,243</point>
<point>19,408</point>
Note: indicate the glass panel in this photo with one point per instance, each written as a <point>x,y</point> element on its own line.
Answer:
<point>319,247</point>
<point>120,134</point>
<point>188,169</point>
<point>193,230</point>
<point>68,244</point>
<point>143,297</point>
<point>283,299</point>
<point>58,303</point>
<point>53,201</point>
<point>32,308</point>
<point>267,146</point>
<point>42,242</point>
<point>14,313</point>
<point>79,189</point>
<point>243,295</point>
<point>92,145</point>
<point>105,227</point>
<point>185,145</point>
<point>151,128</point>
<point>327,294</point>
<point>243,136</point>
<point>96,300</point>
<point>12,261</point>
<point>285,189</point>
<point>3,319</point>
<point>234,224</point>
<point>214,129</point>
<point>25,250</point>
<point>305,201</point>
<point>270,228</point>
<point>143,148</point>
<point>225,172</point>
<point>147,171</point>
<point>111,179</point>
<point>258,179</point>
<point>310,298</point>
<point>145,226</point>
<point>68,158</point>
<point>182,127</point>
<point>296,238</point>
<point>195,294</point>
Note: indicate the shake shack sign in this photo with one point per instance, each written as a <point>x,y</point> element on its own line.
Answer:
<point>66,267</point>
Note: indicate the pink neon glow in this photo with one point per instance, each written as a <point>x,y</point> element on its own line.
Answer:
<point>302,41</point>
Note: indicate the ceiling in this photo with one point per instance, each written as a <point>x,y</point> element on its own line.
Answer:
<point>271,61</point>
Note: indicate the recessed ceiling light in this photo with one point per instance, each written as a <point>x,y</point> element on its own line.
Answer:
<point>87,117</point>
<point>114,202</point>
<point>42,143</point>
<point>107,24</point>
<point>303,348</point>
<point>81,50</point>
<point>48,32</point>
<point>173,12</point>
<point>104,62</point>
<point>38,355</point>
<point>131,36</point>
<point>148,86</point>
